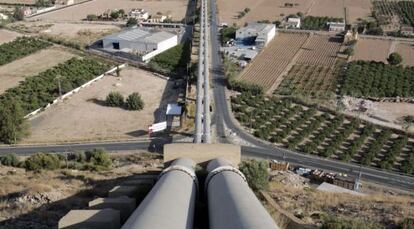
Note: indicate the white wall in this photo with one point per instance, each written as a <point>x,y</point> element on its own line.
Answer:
<point>162,46</point>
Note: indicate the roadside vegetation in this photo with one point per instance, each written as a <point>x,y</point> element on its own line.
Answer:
<point>37,91</point>
<point>94,160</point>
<point>317,23</point>
<point>256,173</point>
<point>376,79</point>
<point>20,47</point>
<point>306,128</point>
<point>227,33</point>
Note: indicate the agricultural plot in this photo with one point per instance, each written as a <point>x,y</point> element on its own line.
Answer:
<point>20,47</point>
<point>7,36</point>
<point>306,129</point>
<point>85,117</point>
<point>335,8</point>
<point>385,11</point>
<point>13,73</point>
<point>406,50</point>
<point>371,50</point>
<point>175,8</point>
<point>375,79</point>
<point>267,67</point>
<point>320,50</point>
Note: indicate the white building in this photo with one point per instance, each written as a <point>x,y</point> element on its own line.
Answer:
<point>157,18</point>
<point>140,42</point>
<point>258,33</point>
<point>293,22</point>
<point>139,14</point>
<point>336,26</point>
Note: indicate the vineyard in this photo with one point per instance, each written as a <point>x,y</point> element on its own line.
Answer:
<point>376,79</point>
<point>314,80</point>
<point>306,129</point>
<point>272,61</point>
<point>37,91</point>
<point>316,69</point>
<point>20,47</point>
<point>385,10</point>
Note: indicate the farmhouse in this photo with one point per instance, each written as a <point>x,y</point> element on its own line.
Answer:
<point>140,42</point>
<point>293,22</point>
<point>336,26</point>
<point>407,30</point>
<point>139,14</point>
<point>157,18</point>
<point>258,33</point>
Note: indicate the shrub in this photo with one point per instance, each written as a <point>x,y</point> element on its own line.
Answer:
<point>42,161</point>
<point>256,173</point>
<point>394,58</point>
<point>338,223</point>
<point>114,99</point>
<point>134,102</point>
<point>99,159</point>
<point>91,17</point>
<point>131,22</point>
<point>407,223</point>
<point>9,160</point>
<point>78,157</point>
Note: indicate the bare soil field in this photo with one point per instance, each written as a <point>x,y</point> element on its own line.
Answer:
<point>11,74</point>
<point>407,52</point>
<point>85,117</point>
<point>175,8</point>
<point>335,8</point>
<point>259,10</point>
<point>267,67</point>
<point>7,36</point>
<point>371,49</point>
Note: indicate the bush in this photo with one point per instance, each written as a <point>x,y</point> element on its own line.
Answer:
<point>407,223</point>
<point>131,22</point>
<point>394,58</point>
<point>9,160</point>
<point>78,157</point>
<point>42,161</point>
<point>338,223</point>
<point>114,99</point>
<point>256,173</point>
<point>91,17</point>
<point>99,159</point>
<point>134,102</point>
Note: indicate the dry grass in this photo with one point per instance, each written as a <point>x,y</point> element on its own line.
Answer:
<point>7,36</point>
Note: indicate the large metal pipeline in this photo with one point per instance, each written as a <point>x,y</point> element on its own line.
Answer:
<point>231,203</point>
<point>171,202</point>
<point>207,120</point>
<point>200,80</point>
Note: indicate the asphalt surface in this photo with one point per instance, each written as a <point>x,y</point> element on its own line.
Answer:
<point>222,119</point>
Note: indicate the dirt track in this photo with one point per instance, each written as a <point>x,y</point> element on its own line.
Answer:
<point>7,36</point>
<point>85,117</point>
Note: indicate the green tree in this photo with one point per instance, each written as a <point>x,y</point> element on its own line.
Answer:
<point>349,51</point>
<point>394,58</point>
<point>12,123</point>
<point>256,173</point>
<point>114,99</point>
<point>18,14</point>
<point>99,159</point>
<point>134,102</point>
<point>91,17</point>
<point>114,15</point>
<point>131,22</point>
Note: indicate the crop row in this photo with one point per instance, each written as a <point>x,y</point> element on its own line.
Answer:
<point>376,79</point>
<point>273,60</point>
<point>403,9</point>
<point>20,47</point>
<point>320,50</point>
<point>306,129</point>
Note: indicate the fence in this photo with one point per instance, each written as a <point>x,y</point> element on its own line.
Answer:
<point>61,98</point>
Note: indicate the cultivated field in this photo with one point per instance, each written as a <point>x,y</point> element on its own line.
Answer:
<point>275,9</point>
<point>7,36</point>
<point>371,49</point>
<point>11,74</point>
<point>335,8</point>
<point>319,50</point>
<point>266,68</point>
<point>407,52</point>
<point>175,8</point>
<point>328,134</point>
<point>85,117</point>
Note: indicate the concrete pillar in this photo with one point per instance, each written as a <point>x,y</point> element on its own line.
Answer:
<point>92,219</point>
<point>231,203</point>
<point>171,202</point>
<point>125,205</point>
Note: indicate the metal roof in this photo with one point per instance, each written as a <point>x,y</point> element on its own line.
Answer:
<point>141,35</point>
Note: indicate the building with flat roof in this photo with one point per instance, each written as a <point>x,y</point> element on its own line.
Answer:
<point>336,26</point>
<point>293,22</point>
<point>140,42</point>
<point>258,33</point>
<point>139,14</point>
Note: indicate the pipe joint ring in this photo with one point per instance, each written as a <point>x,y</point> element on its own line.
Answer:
<point>222,169</point>
<point>183,169</point>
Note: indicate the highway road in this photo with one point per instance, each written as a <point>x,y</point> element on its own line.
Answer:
<point>222,120</point>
